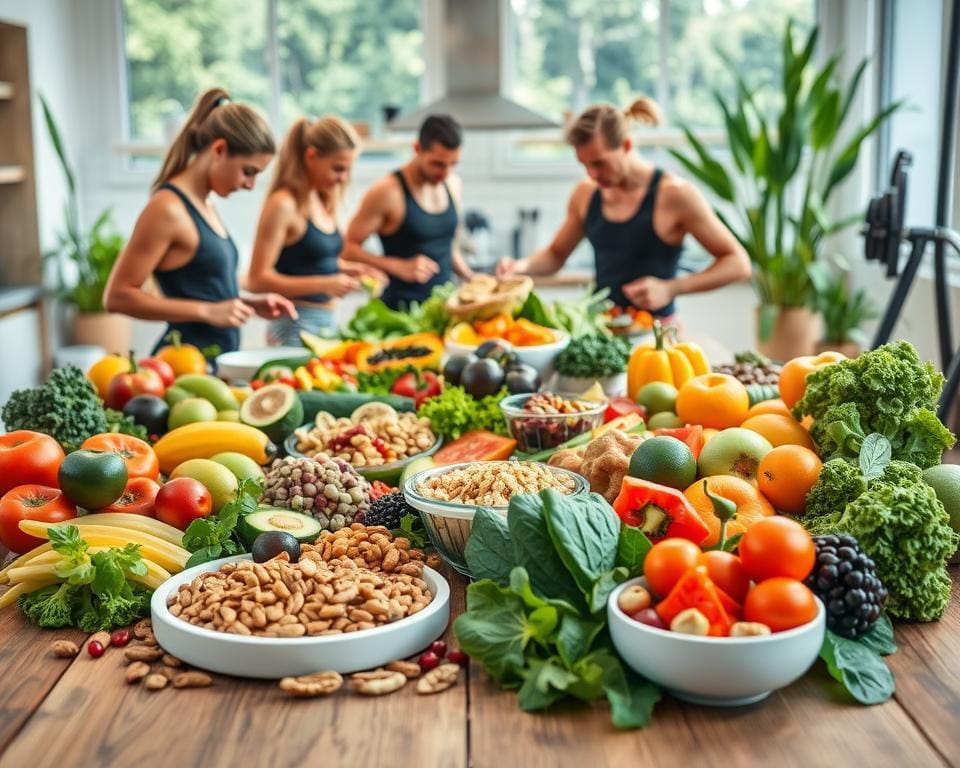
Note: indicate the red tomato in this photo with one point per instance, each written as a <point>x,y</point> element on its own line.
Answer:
<point>726,571</point>
<point>667,561</point>
<point>31,502</point>
<point>126,386</point>
<point>138,498</point>
<point>160,367</point>
<point>780,604</point>
<point>777,546</point>
<point>28,457</point>
<point>140,458</point>
<point>181,501</point>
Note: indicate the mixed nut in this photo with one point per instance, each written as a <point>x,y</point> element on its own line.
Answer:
<point>494,483</point>
<point>329,489</point>
<point>546,420</point>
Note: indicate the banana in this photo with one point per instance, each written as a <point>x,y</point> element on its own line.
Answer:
<point>204,439</point>
<point>209,388</point>
<point>141,523</point>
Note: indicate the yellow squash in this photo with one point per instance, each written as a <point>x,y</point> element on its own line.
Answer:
<point>665,361</point>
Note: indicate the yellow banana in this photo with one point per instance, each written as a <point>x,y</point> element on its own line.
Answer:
<point>204,439</point>
<point>140,523</point>
<point>99,543</point>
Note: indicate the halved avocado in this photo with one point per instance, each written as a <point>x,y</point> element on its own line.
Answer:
<point>275,409</point>
<point>417,465</point>
<point>303,528</point>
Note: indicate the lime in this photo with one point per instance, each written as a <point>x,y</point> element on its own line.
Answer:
<point>945,481</point>
<point>664,420</point>
<point>664,460</point>
<point>657,396</point>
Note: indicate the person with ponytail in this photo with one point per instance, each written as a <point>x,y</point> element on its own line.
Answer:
<point>180,240</point>
<point>636,217</point>
<point>298,244</point>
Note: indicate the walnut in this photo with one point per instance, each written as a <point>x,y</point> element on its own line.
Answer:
<point>606,460</point>
<point>568,458</point>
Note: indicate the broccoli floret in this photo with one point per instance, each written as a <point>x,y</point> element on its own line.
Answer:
<point>840,482</point>
<point>66,406</point>
<point>50,607</point>
<point>899,473</point>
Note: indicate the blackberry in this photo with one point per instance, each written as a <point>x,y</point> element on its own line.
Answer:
<point>388,511</point>
<point>845,579</point>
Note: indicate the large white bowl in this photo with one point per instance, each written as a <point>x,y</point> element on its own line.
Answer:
<point>243,363</point>
<point>540,357</point>
<point>276,657</point>
<point>716,671</point>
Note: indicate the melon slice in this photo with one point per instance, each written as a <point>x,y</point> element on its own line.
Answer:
<point>274,409</point>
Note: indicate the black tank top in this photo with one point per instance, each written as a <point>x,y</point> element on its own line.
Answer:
<point>430,234</point>
<point>626,250</point>
<point>211,275</point>
<point>316,253</point>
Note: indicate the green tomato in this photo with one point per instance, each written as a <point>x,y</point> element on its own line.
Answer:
<point>93,479</point>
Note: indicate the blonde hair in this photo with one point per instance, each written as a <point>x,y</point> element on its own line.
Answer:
<point>214,117</point>
<point>326,135</point>
<point>612,123</point>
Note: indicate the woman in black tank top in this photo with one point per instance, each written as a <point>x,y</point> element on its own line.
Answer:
<point>182,243</point>
<point>636,218</point>
<point>298,245</point>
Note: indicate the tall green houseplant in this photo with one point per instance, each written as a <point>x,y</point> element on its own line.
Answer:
<point>788,166</point>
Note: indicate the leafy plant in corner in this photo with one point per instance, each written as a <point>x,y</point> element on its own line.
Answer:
<point>843,312</point>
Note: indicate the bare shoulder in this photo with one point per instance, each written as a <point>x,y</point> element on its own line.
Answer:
<point>165,207</point>
<point>581,195</point>
<point>676,192</point>
<point>384,193</point>
<point>281,203</point>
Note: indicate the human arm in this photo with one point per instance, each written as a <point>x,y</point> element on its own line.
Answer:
<point>459,264</point>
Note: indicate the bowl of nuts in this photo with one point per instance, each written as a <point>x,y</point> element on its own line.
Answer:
<point>714,671</point>
<point>449,496</point>
<point>542,420</point>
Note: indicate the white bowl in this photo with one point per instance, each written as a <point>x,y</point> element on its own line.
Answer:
<point>715,671</point>
<point>244,363</point>
<point>540,357</point>
<point>276,657</point>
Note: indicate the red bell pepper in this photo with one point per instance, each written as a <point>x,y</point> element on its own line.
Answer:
<point>420,385</point>
<point>696,590</point>
<point>691,435</point>
<point>659,511</point>
<point>621,406</point>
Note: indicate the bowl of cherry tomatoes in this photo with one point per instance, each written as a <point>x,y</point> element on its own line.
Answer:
<point>718,628</point>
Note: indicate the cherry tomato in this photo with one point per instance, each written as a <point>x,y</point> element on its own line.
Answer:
<point>28,457</point>
<point>780,603</point>
<point>667,561</point>
<point>777,546</point>
<point>140,458</point>
<point>726,571</point>
<point>161,367</point>
<point>31,502</point>
<point>138,498</point>
<point>181,501</point>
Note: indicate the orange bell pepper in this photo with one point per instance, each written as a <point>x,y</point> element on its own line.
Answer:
<point>494,328</point>
<point>696,590</point>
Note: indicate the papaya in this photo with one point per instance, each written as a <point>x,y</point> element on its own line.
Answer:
<point>422,350</point>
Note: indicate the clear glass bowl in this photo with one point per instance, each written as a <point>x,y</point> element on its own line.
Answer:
<point>540,431</point>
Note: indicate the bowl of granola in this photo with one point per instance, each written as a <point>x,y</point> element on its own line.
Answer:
<point>449,496</point>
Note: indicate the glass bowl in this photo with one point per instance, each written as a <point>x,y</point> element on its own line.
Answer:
<point>540,431</point>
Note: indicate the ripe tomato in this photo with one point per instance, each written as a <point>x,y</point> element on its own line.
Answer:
<point>160,367</point>
<point>31,502</point>
<point>780,604</point>
<point>786,475</point>
<point>667,561</point>
<point>28,457</point>
<point>126,386</point>
<point>181,501</point>
<point>777,546</point>
<point>140,458</point>
<point>726,571</point>
<point>138,498</point>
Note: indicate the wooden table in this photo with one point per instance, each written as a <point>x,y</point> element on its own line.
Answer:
<point>79,712</point>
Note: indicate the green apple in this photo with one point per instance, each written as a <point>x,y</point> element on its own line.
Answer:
<point>664,420</point>
<point>658,396</point>
<point>190,410</point>
<point>242,466</point>
<point>217,479</point>
<point>734,451</point>
<point>229,415</point>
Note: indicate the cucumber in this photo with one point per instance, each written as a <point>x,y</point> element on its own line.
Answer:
<point>759,393</point>
<point>274,409</point>
<point>303,528</point>
<point>342,404</point>
<point>289,362</point>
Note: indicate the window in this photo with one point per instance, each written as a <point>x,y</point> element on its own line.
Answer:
<point>349,57</point>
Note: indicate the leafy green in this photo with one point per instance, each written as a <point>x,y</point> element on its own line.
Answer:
<point>375,321</point>
<point>66,406</point>
<point>594,354</point>
<point>411,528</point>
<point>489,549</point>
<point>117,421</point>
<point>381,382</point>
<point>585,535</point>
<point>454,412</point>
<point>583,316</point>
<point>632,549</point>
<point>874,455</point>
<point>209,538</point>
<point>858,663</point>
<point>537,311</point>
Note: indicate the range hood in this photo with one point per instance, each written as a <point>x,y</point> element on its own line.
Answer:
<point>473,32</point>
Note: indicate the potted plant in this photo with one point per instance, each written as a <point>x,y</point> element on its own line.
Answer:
<point>83,263</point>
<point>788,166</point>
<point>843,315</point>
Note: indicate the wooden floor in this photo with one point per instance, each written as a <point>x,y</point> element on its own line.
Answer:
<point>79,712</point>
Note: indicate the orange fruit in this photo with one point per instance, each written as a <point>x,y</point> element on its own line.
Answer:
<point>751,505</point>
<point>715,400</point>
<point>101,373</point>
<point>769,406</point>
<point>786,475</point>
<point>793,377</point>
<point>779,430</point>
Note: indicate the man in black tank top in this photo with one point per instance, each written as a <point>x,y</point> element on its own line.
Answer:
<point>415,212</point>
<point>636,217</point>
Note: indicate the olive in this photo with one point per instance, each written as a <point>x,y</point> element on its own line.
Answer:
<point>454,367</point>
<point>481,378</point>
<point>270,544</point>
<point>522,378</point>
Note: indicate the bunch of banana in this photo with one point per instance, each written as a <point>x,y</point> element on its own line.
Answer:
<point>203,439</point>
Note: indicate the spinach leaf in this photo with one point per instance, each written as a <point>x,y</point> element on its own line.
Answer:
<point>533,549</point>
<point>546,683</point>
<point>880,638</point>
<point>631,697</point>
<point>585,533</point>
<point>632,549</point>
<point>494,630</point>
<point>575,636</point>
<point>603,586</point>
<point>488,553</point>
<point>875,454</point>
<point>859,667</point>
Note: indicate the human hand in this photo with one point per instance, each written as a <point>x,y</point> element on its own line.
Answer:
<point>507,267</point>
<point>231,313</point>
<point>419,269</point>
<point>340,285</point>
<point>270,306</point>
<point>649,292</point>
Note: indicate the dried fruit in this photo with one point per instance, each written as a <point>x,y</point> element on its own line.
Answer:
<point>120,637</point>
<point>428,661</point>
<point>457,656</point>
<point>95,649</point>
<point>439,647</point>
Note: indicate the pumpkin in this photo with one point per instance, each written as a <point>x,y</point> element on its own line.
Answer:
<point>674,363</point>
<point>421,350</point>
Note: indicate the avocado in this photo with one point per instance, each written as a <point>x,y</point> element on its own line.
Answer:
<point>274,409</point>
<point>303,527</point>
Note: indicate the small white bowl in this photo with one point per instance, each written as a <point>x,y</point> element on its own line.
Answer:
<point>276,657</point>
<point>244,363</point>
<point>715,671</point>
<point>540,356</point>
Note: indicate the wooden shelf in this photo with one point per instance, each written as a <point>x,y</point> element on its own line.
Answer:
<point>12,174</point>
<point>6,90</point>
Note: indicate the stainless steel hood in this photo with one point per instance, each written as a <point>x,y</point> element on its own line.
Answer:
<point>473,32</point>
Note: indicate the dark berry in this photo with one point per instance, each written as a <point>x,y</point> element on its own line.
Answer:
<point>388,511</point>
<point>456,656</point>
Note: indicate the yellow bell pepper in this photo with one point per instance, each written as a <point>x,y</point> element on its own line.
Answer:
<point>302,375</point>
<point>668,362</point>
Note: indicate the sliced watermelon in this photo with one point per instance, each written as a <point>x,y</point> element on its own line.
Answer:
<point>274,409</point>
<point>478,445</point>
<point>692,435</point>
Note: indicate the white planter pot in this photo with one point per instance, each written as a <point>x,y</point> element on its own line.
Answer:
<point>613,386</point>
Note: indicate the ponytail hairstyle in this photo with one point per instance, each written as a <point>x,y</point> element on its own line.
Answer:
<point>612,123</point>
<point>327,134</point>
<point>214,117</point>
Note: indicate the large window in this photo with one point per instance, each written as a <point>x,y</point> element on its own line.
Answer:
<point>287,57</point>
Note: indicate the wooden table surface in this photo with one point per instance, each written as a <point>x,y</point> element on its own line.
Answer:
<point>79,712</point>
